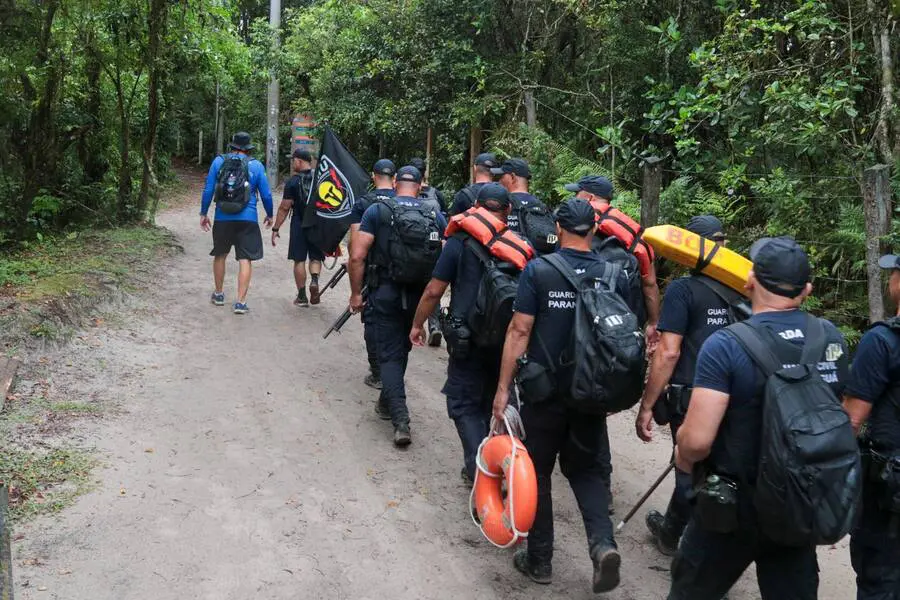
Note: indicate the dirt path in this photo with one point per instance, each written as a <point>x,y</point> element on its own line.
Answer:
<point>246,462</point>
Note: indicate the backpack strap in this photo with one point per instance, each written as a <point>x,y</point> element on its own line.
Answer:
<point>469,193</point>
<point>704,261</point>
<point>755,347</point>
<point>765,357</point>
<point>559,263</point>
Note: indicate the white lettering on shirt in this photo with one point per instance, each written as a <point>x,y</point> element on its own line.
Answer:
<point>791,334</point>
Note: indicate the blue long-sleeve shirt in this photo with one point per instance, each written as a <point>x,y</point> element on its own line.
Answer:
<point>259,188</point>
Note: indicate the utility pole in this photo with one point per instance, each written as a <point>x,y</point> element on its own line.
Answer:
<point>272,127</point>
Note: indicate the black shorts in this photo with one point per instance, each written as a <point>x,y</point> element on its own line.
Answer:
<point>243,235</point>
<point>299,248</point>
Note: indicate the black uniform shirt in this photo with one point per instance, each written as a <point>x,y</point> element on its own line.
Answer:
<point>692,310</point>
<point>875,378</point>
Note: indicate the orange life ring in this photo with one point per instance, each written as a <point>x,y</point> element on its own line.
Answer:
<point>504,521</point>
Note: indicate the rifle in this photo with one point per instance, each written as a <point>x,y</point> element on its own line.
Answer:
<point>335,278</point>
<point>345,316</point>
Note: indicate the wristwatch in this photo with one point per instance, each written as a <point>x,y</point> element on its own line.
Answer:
<point>275,230</point>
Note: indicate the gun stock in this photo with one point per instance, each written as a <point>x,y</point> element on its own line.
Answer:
<point>345,316</point>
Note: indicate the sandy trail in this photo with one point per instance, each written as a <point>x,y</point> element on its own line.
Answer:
<point>245,461</point>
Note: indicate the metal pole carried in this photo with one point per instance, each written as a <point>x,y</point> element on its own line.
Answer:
<point>646,495</point>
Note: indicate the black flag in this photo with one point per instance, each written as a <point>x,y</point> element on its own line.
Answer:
<point>337,184</point>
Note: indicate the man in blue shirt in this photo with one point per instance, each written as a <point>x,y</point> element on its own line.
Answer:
<point>383,172</point>
<point>296,193</point>
<point>393,300</point>
<point>540,330</point>
<point>695,307</point>
<point>239,229</point>
<point>723,430</point>
<point>872,398</point>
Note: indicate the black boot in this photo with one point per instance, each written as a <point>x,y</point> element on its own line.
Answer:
<point>538,573</point>
<point>664,536</point>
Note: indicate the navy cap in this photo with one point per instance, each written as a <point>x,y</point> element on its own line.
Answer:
<point>301,154</point>
<point>597,185</point>
<point>409,173</point>
<point>417,163</point>
<point>707,226</point>
<point>516,166</point>
<point>889,261</point>
<point>486,159</point>
<point>384,166</point>
<point>493,194</point>
<point>780,265</point>
<point>576,215</point>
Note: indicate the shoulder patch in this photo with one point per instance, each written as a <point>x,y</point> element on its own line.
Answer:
<point>833,352</point>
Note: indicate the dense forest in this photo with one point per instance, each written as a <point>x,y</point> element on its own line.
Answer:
<point>764,113</point>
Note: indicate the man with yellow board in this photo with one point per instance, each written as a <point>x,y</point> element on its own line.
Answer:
<point>694,308</point>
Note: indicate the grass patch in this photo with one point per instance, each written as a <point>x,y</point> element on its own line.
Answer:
<point>62,266</point>
<point>44,482</point>
<point>78,408</point>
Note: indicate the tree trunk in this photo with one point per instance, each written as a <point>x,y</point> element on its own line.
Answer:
<point>881,40</point>
<point>124,199</point>
<point>876,191</point>
<point>474,149</point>
<point>156,21</point>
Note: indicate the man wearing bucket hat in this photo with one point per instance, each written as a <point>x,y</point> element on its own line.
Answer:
<point>235,182</point>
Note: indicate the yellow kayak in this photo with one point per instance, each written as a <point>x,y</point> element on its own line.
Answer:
<point>691,250</point>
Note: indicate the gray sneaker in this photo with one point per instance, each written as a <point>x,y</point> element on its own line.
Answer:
<point>372,381</point>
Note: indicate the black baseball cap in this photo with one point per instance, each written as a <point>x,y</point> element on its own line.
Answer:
<point>597,185</point>
<point>409,173</point>
<point>889,261</point>
<point>301,154</point>
<point>576,215</point>
<point>516,166</point>
<point>418,163</point>
<point>707,226</point>
<point>494,194</point>
<point>486,159</point>
<point>384,166</point>
<point>780,265</point>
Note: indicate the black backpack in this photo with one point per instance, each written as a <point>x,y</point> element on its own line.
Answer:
<point>232,192</point>
<point>538,225</point>
<point>809,477</point>
<point>611,250</point>
<point>489,317</point>
<point>606,349</point>
<point>414,244</point>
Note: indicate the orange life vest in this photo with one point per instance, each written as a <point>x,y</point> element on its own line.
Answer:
<point>493,234</point>
<point>613,222</point>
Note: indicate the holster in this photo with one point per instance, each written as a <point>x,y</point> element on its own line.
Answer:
<point>672,405</point>
<point>882,472</point>
<point>536,383</point>
<point>457,334</point>
<point>716,505</point>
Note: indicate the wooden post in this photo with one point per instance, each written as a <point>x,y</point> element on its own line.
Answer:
<point>474,149</point>
<point>530,111</point>
<point>425,175</point>
<point>877,208</point>
<point>200,147</point>
<point>650,191</point>
<point>6,579</point>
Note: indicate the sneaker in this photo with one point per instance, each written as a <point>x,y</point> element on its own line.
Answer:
<point>542,574</point>
<point>218,298</point>
<point>434,338</point>
<point>372,381</point>
<point>606,569</point>
<point>314,293</point>
<point>382,411</point>
<point>402,438</point>
<point>665,541</point>
<point>301,300</point>
<point>241,308</point>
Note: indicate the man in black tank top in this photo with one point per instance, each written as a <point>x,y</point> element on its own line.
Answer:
<point>691,312</point>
